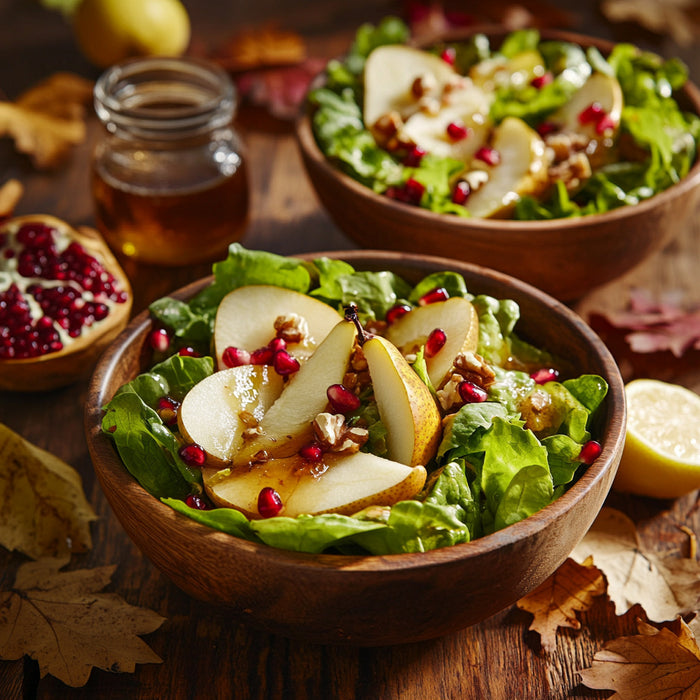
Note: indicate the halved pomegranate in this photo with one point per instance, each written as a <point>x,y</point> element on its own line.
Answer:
<point>63,299</point>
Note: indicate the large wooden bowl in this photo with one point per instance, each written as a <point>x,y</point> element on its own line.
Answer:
<point>369,600</point>
<point>565,258</point>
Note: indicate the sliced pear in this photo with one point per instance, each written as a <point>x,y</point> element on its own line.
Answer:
<point>389,75</point>
<point>522,170</point>
<point>602,89</point>
<point>406,406</point>
<point>500,71</point>
<point>456,316</point>
<point>342,484</point>
<point>210,412</point>
<point>246,316</point>
<point>287,425</point>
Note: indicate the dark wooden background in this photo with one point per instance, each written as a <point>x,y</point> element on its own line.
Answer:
<point>205,654</point>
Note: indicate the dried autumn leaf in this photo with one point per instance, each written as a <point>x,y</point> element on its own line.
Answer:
<point>43,510</point>
<point>261,47</point>
<point>635,576</point>
<point>10,194</point>
<point>47,121</point>
<point>64,622</point>
<point>570,589</point>
<point>654,664</point>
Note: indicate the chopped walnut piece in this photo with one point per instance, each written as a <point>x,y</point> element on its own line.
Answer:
<point>429,105</point>
<point>449,396</point>
<point>358,362</point>
<point>386,128</point>
<point>572,172</point>
<point>423,85</point>
<point>537,411</point>
<point>475,179</point>
<point>334,435</point>
<point>250,433</point>
<point>292,328</point>
<point>473,367</point>
<point>565,143</point>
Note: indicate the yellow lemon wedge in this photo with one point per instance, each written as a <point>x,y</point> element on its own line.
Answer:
<point>661,458</point>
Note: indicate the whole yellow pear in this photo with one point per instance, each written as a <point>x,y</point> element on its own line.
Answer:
<point>109,31</point>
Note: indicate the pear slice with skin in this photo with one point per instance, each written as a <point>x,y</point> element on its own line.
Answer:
<point>389,75</point>
<point>406,407</point>
<point>246,317</point>
<point>210,412</point>
<point>456,316</point>
<point>342,484</point>
<point>522,170</point>
<point>287,425</point>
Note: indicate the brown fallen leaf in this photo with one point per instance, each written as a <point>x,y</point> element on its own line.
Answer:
<point>555,603</point>
<point>64,622</point>
<point>47,121</point>
<point>652,665</point>
<point>10,194</point>
<point>664,587</point>
<point>43,510</point>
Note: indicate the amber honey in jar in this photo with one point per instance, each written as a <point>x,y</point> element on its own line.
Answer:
<point>169,178</point>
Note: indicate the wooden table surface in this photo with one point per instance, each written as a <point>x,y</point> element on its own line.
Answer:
<point>205,654</point>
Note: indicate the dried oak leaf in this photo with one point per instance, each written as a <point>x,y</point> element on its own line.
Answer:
<point>48,120</point>
<point>64,622</point>
<point>664,587</point>
<point>570,589</point>
<point>10,194</point>
<point>655,664</point>
<point>43,509</point>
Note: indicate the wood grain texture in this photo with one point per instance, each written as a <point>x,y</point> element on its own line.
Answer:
<point>207,654</point>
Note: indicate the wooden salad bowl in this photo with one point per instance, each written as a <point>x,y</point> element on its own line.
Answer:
<point>369,600</point>
<point>565,258</point>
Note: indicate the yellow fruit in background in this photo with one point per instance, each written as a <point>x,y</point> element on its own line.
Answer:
<point>661,458</point>
<point>109,31</point>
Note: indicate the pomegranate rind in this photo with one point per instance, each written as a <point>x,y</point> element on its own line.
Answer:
<point>76,359</point>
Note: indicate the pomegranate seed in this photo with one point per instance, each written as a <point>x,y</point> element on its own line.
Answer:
<point>193,455</point>
<point>449,55</point>
<point>546,128</point>
<point>592,114</point>
<point>159,340</point>
<point>433,296</point>
<point>235,357</point>
<point>488,155</point>
<point>414,156</point>
<point>414,190</point>
<point>269,502</point>
<point>341,399</point>
<point>541,80</point>
<point>262,356</point>
<point>590,452</point>
<point>461,192</point>
<point>284,363</point>
<point>167,410</point>
<point>606,123</point>
<point>457,131</point>
<point>194,501</point>
<point>435,342</point>
<point>544,375</point>
<point>396,312</point>
<point>277,344</point>
<point>471,393</point>
<point>188,352</point>
<point>112,429</point>
<point>313,452</point>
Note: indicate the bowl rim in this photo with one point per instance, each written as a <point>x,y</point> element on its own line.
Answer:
<point>612,440</point>
<point>311,151</point>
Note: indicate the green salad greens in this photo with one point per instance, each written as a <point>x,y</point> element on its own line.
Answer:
<point>499,460</point>
<point>591,162</point>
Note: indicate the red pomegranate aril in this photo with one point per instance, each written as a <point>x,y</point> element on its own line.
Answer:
<point>413,156</point>
<point>262,356</point>
<point>196,502</point>
<point>433,296</point>
<point>471,393</point>
<point>188,351</point>
<point>193,455</point>
<point>167,410</point>
<point>457,131</point>
<point>277,344</point>
<point>159,340</point>
<point>540,81</point>
<point>590,452</point>
<point>591,114</point>
<point>544,375</point>
<point>449,55</point>
<point>605,123</point>
<point>284,363</point>
<point>235,357</point>
<point>435,342</point>
<point>313,452</point>
<point>461,192</point>
<point>341,399</point>
<point>488,155</point>
<point>269,502</point>
<point>414,190</point>
<point>396,312</point>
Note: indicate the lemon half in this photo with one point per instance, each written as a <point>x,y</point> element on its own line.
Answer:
<point>661,458</point>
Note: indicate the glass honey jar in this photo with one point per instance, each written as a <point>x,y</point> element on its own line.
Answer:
<point>168,179</point>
